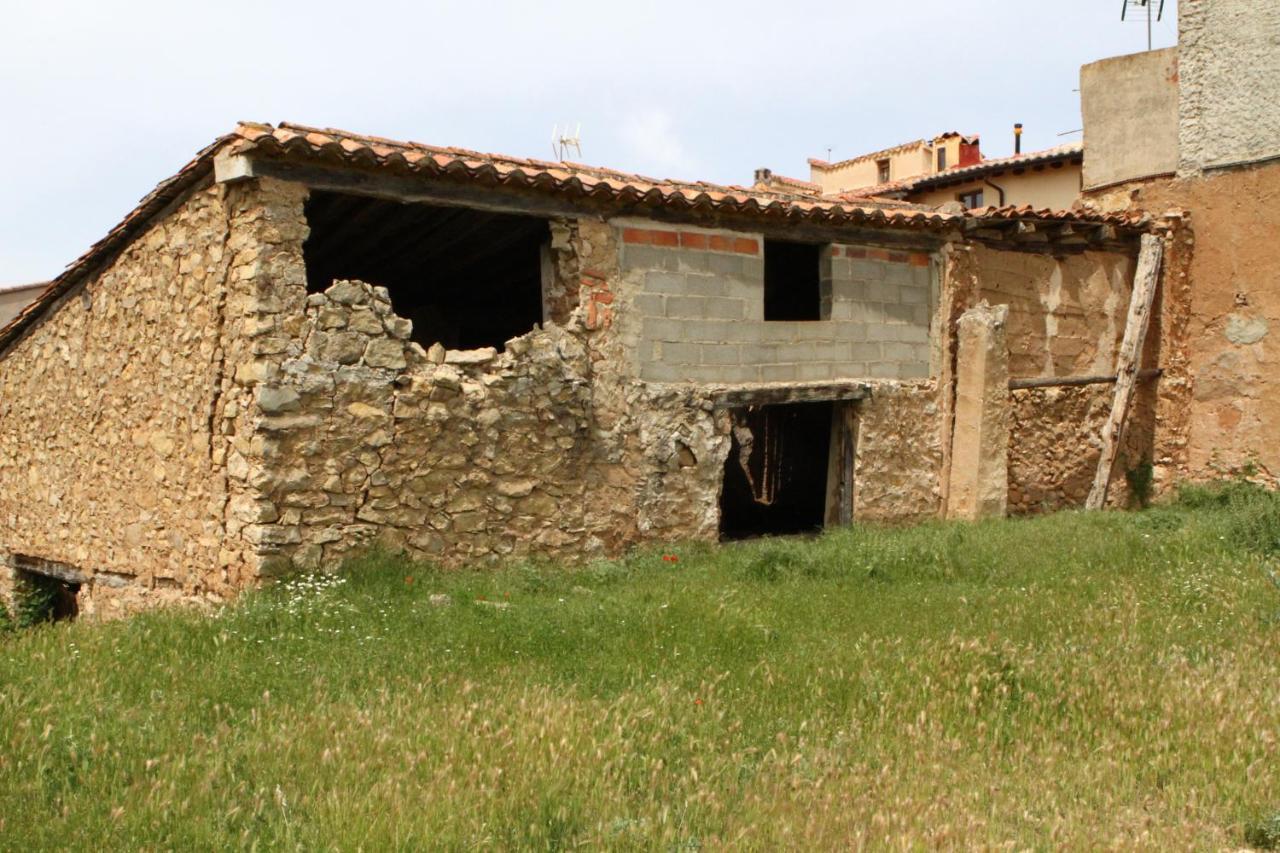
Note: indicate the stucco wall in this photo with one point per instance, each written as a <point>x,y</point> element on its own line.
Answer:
<point>1230,73</point>
<point>15,299</point>
<point>1130,109</point>
<point>110,445</point>
<point>1056,189</point>
<point>699,311</point>
<point>909,162</point>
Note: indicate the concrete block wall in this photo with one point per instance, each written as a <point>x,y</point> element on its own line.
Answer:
<point>700,301</point>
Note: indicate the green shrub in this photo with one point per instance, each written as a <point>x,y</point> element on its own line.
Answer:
<point>7,625</point>
<point>1263,834</point>
<point>35,600</point>
<point>1140,479</point>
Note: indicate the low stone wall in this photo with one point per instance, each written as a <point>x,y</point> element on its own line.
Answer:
<point>897,477</point>
<point>1055,441</point>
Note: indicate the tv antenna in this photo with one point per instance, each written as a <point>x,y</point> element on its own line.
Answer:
<point>562,143</point>
<point>1132,11</point>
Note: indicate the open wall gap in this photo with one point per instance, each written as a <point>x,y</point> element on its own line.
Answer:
<point>792,281</point>
<point>43,598</point>
<point>776,476</point>
<point>466,278</point>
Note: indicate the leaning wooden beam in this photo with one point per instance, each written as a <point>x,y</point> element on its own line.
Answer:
<point>1135,334</point>
<point>1075,381</point>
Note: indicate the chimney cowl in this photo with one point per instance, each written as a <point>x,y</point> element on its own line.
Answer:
<point>1017,138</point>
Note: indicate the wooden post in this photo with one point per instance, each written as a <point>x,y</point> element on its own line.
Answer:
<point>1145,278</point>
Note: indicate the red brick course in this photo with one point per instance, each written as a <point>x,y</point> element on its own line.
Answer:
<point>691,240</point>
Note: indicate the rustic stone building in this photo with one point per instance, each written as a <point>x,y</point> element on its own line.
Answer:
<point>309,341</point>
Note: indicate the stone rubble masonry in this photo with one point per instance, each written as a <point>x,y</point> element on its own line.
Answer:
<point>191,421</point>
<point>112,410</point>
<point>1055,442</point>
<point>700,294</point>
<point>980,444</point>
<point>547,447</point>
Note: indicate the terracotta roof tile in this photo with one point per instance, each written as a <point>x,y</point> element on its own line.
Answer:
<point>356,150</point>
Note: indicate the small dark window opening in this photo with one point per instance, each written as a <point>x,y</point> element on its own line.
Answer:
<point>942,159</point>
<point>41,598</point>
<point>466,278</point>
<point>792,285</point>
<point>779,485</point>
<point>882,171</point>
<point>971,199</point>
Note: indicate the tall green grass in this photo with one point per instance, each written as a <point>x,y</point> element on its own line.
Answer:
<point>1078,680</point>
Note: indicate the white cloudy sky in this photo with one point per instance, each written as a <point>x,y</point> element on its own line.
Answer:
<point>101,99</point>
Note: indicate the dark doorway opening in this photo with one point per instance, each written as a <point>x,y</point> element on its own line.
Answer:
<point>466,278</point>
<point>775,479</point>
<point>792,281</point>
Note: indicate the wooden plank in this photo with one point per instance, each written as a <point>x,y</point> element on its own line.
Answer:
<point>1145,278</point>
<point>1074,381</point>
<point>848,457</point>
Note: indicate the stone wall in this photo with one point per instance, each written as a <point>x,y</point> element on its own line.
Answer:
<point>899,464</point>
<point>110,453</point>
<point>699,311</point>
<point>548,447</point>
<point>1229,71</point>
<point>1055,442</point>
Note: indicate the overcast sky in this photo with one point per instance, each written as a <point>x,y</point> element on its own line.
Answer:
<point>100,100</point>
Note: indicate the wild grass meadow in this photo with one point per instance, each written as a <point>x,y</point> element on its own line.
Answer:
<point>1104,680</point>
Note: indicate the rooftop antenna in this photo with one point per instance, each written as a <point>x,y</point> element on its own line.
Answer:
<point>1131,10</point>
<point>561,143</point>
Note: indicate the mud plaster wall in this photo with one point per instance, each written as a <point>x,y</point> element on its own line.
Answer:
<point>110,445</point>
<point>1220,394</point>
<point>1066,318</point>
<point>549,446</point>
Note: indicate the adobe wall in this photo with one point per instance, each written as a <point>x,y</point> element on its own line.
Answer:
<point>111,444</point>
<point>1066,313</point>
<point>1066,318</point>
<point>1220,395</point>
<point>700,308</point>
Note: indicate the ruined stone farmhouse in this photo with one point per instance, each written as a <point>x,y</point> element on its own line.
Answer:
<point>309,341</point>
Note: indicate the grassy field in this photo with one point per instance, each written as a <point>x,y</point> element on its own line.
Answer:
<point>1078,680</point>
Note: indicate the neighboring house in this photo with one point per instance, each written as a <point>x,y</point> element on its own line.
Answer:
<point>949,169</point>
<point>895,165</point>
<point>310,341</point>
<point>14,298</point>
